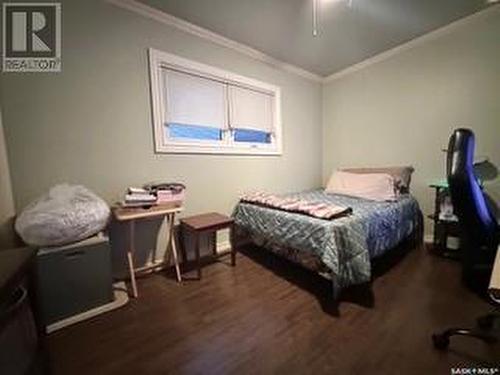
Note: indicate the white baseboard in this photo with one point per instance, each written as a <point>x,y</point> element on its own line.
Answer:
<point>223,247</point>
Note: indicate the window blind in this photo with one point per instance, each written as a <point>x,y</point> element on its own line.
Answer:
<point>193,100</point>
<point>250,109</point>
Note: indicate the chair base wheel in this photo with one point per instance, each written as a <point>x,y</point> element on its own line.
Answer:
<point>440,342</point>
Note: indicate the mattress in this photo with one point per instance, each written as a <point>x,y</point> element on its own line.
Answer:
<point>344,246</point>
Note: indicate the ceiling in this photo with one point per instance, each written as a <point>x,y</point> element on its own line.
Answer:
<point>347,35</point>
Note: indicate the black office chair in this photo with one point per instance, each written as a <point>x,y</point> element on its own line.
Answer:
<point>479,231</point>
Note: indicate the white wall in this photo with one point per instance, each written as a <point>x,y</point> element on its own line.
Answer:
<point>6,198</point>
<point>91,124</point>
<point>402,110</point>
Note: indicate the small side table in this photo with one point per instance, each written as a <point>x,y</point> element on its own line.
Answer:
<point>208,223</point>
<point>130,215</point>
<point>443,228</point>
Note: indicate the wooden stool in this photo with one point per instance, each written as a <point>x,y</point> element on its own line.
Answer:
<point>208,223</point>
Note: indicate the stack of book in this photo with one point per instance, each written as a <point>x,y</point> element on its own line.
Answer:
<point>138,197</point>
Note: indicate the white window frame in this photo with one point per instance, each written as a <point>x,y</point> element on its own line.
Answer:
<point>159,60</point>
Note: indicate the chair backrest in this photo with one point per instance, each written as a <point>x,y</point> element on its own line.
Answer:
<point>479,227</point>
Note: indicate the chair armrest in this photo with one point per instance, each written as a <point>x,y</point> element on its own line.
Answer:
<point>494,288</point>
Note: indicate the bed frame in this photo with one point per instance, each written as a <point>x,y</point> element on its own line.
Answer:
<point>241,237</point>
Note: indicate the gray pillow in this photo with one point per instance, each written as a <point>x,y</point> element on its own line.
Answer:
<point>401,175</point>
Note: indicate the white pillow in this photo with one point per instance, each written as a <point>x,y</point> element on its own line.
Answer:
<point>373,186</point>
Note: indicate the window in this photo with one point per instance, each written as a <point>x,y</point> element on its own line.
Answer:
<point>201,109</point>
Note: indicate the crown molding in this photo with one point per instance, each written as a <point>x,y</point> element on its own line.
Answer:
<point>167,19</point>
<point>188,27</point>
<point>433,35</point>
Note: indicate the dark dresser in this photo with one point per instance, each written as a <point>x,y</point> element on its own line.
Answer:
<point>21,338</point>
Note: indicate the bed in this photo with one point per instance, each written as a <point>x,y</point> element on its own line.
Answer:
<point>340,249</point>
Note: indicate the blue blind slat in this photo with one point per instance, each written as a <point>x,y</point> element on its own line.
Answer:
<point>251,136</point>
<point>198,132</point>
<point>194,132</point>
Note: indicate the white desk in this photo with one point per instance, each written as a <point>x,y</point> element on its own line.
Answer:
<point>131,215</point>
<point>494,289</point>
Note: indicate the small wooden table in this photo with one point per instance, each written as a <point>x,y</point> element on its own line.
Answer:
<point>494,288</point>
<point>208,223</point>
<point>131,215</point>
<point>443,228</point>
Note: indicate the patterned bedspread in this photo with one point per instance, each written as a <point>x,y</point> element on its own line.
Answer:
<point>345,245</point>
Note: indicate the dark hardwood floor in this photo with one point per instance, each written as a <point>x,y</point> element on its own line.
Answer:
<point>267,316</point>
